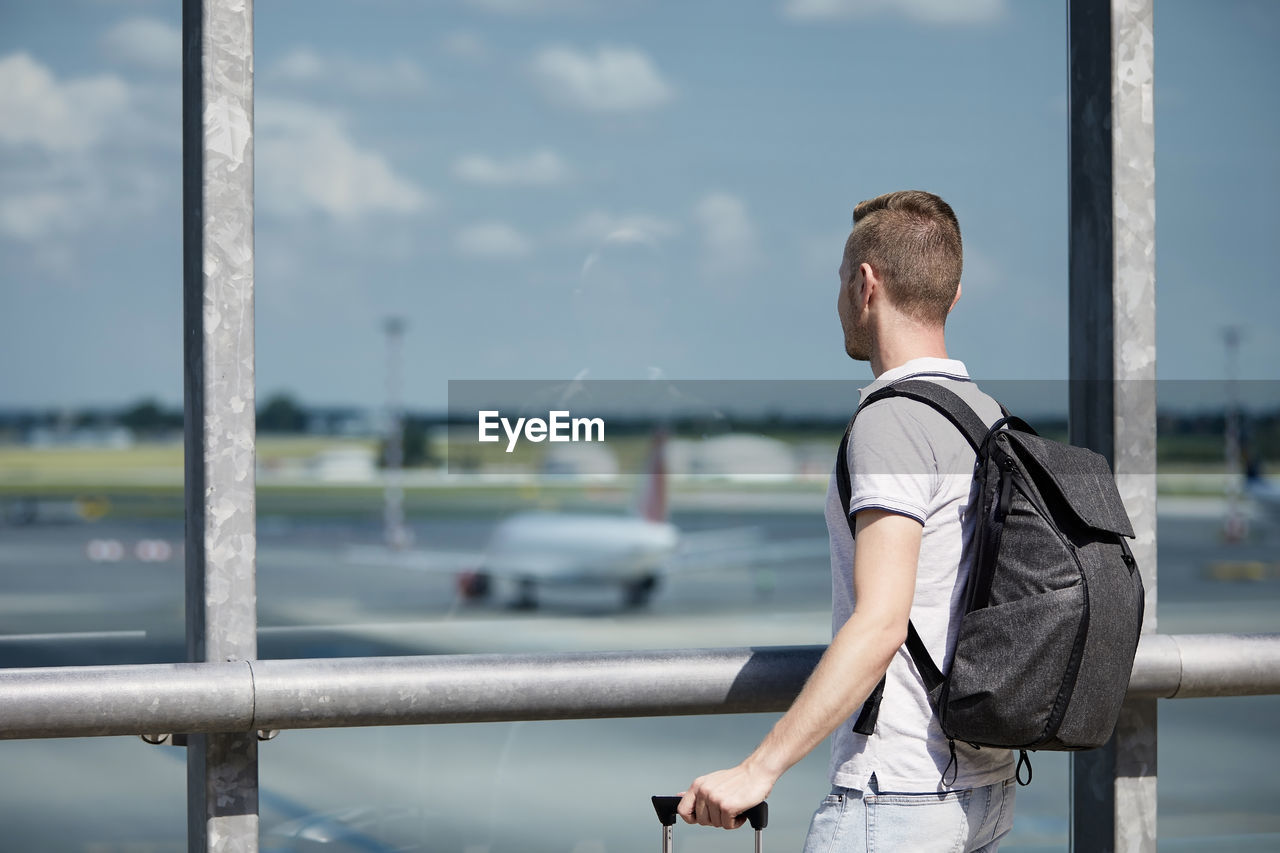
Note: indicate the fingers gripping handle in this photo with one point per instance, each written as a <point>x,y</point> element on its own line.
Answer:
<point>757,815</point>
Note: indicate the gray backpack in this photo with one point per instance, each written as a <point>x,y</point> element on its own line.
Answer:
<point>1053,604</point>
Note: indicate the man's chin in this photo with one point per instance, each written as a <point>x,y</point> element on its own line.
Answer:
<point>857,354</point>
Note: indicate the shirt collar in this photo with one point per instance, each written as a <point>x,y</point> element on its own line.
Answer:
<point>945,368</point>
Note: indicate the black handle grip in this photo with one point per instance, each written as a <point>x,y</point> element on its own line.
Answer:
<point>757,815</point>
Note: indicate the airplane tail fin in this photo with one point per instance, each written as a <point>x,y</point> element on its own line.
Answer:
<point>652,504</point>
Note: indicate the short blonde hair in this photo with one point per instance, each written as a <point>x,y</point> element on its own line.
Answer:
<point>912,240</point>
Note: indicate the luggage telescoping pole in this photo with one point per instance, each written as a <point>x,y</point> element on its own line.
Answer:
<point>757,816</point>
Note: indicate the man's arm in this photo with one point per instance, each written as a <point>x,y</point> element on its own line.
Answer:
<point>884,577</point>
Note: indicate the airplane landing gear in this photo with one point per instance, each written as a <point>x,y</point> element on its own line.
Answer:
<point>637,592</point>
<point>474,586</point>
<point>525,596</point>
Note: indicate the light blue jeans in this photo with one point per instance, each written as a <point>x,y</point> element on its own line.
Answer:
<point>972,820</point>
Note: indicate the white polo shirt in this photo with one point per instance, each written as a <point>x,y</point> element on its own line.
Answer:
<point>907,458</point>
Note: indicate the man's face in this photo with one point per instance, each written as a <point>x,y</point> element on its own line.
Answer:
<point>857,338</point>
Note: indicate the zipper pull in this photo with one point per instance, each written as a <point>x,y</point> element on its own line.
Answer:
<point>1006,487</point>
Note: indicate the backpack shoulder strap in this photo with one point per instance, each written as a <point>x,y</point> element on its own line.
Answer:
<point>945,401</point>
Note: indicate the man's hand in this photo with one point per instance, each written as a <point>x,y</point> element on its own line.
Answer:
<point>718,799</point>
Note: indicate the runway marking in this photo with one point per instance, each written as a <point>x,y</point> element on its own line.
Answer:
<point>73,636</point>
<point>1242,570</point>
<point>517,634</point>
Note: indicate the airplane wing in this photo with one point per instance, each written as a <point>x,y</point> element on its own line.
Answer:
<point>741,548</point>
<point>443,562</point>
<point>437,562</point>
<point>695,542</point>
<point>698,551</point>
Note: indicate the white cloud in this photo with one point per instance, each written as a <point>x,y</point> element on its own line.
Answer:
<point>539,168</point>
<point>146,43</point>
<point>47,203</point>
<point>614,79</point>
<point>303,66</point>
<point>34,215</point>
<point>728,235</point>
<point>58,200</point>
<point>928,11</point>
<point>599,226</point>
<point>84,153</point>
<point>308,163</point>
<point>492,240</point>
<point>77,154</point>
<point>37,109</point>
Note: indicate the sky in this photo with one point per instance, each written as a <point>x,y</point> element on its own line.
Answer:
<point>615,189</point>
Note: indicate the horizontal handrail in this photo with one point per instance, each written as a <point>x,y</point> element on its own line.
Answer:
<point>380,691</point>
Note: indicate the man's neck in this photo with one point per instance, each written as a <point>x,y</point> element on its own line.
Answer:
<point>905,345</point>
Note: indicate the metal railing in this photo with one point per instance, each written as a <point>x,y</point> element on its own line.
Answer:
<point>244,696</point>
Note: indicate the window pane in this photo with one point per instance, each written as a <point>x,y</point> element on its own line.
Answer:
<point>568,188</point>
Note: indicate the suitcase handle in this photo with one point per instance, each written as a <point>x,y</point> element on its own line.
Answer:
<point>757,815</point>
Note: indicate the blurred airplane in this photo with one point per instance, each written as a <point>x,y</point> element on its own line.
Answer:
<point>631,552</point>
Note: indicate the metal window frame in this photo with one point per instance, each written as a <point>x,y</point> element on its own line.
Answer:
<point>1112,359</point>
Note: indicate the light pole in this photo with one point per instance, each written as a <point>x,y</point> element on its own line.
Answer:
<point>397,536</point>
<point>1235,526</point>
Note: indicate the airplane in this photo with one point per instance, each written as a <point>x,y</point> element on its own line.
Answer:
<point>632,552</point>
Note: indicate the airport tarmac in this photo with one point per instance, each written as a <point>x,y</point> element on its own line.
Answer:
<point>574,786</point>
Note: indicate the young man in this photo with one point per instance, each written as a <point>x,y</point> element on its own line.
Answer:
<point>911,472</point>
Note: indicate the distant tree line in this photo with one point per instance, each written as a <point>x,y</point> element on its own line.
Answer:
<point>279,413</point>
<point>1182,437</point>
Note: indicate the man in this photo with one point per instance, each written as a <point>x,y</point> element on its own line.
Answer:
<point>900,788</point>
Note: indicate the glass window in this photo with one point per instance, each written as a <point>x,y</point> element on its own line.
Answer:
<point>576,190</point>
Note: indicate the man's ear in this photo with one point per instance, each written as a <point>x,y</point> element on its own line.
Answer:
<point>870,285</point>
<point>959,287</point>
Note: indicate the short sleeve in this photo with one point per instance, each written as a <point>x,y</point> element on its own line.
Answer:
<point>892,465</point>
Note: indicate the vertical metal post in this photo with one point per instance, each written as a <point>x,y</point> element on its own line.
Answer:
<point>1112,360</point>
<point>218,351</point>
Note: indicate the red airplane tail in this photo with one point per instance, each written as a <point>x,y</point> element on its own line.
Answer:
<point>652,504</point>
